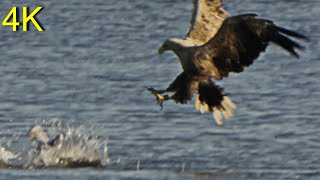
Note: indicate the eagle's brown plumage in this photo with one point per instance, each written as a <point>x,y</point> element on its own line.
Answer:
<point>242,38</point>
<point>237,43</point>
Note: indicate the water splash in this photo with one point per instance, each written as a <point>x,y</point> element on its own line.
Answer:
<point>6,157</point>
<point>66,146</point>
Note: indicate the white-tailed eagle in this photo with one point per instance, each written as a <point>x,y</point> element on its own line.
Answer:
<point>216,45</point>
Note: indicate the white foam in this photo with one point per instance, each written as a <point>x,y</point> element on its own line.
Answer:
<point>74,146</point>
<point>6,156</point>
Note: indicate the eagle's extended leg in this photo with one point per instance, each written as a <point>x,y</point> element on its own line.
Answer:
<point>182,87</point>
<point>158,94</point>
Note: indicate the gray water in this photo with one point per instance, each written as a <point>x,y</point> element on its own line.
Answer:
<point>95,57</point>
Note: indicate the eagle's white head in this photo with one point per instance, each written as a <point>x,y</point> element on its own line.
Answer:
<point>176,45</point>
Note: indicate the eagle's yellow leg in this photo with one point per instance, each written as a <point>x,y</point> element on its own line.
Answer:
<point>160,98</point>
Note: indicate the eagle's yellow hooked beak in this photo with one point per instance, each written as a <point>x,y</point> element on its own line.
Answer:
<point>161,50</point>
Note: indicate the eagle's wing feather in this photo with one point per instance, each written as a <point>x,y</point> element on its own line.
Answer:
<point>242,38</point>
<point>207,17</point>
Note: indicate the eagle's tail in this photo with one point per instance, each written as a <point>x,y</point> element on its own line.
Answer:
<point>212,99</point>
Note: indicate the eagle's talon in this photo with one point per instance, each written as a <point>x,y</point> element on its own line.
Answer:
<point>152,90</point>
<point>160,102</point>
<point>160,99</point>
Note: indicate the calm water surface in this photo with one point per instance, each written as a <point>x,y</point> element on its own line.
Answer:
<point>90,66</point>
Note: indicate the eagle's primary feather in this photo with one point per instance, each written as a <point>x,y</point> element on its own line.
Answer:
<point>235,45</point>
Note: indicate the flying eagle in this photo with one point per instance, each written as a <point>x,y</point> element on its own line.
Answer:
<point>216,45</point>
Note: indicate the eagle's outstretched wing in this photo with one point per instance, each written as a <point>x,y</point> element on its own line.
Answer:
<point>207,17</point>
<point>242,38</point>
